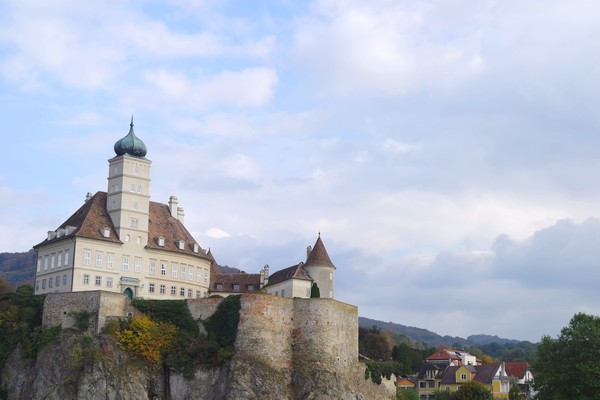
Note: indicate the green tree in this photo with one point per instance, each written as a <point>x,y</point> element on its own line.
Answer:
<point>515,393</point>
<point>568,367</point>
<point>406,394</point>
<point>25,289</point>
<point>314,291</point>
<point>472,391</point>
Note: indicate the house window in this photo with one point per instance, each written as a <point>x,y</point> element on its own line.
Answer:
<point>57,281</point>
<point>182,292</point>
<point>152,267</point>
<point>138,240</point>
<point>174,270</point>
<point>87,257</point>
<point>110,261</point>
<point>161,241</point>
<point>190,293</point>
<point>183,272</point>
<point>39,265</point>
<point>151,288</point>
<point>98,259</point>
<point>98,281</point>
<point>66,258</point>
<point>163,269</point>
<point>132,188</point>
<point>198,294</point>
<point>64,279</point>
<point>46,262</point>
<point>138,264</point>
<point>50,282</point>
<point>125,263</point>
<point>199,276</point>
<point>219,286</point>
<point>43,283</point>
<point>86,279</point>
<point>236,286</point>
<point>250,288</point>
<point>431,384</point>
<point>109,282</point>
<point>181,245</point>
<point>191,273</point>
<point>173,290</point>
<point>52,261</point>
<point>127,237</point>
<point>422,385</point>
<point>282,292</point>
<point>135,222</point>
<point>205,276</point>
<point>463,377</point>
<point>162,289</point>
<point>59,260</point>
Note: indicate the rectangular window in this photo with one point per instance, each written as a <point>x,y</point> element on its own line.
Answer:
<point>39,265</point>
<point>151,288</point>
<point>110,261</point>
<point>109,281</point>
<point>98,259</point>
<point>138,264</point>
<point>191,273</point>
<point>87,257</point>
<point>198,294</point>
<point>219,286</point>
<point>190,293</point>
<point>182,292</point>
<point>163,269</point>
<point>205,276</point>
<point>463,377</point>
<point>250,288</point>
<point>135,222</point>
<point>64,279</point>
<point>52,261</point>
<point>174,270</point>
<point>86,279</point>
<point>50,282</point>
<point>66,258</point>
<point>199,276</point>
<point>282,292</point>
<point>173,290</point>
<point>152,267</point>
<point>236,286</point>
<point>59,260</point>
<point>183,272</point>
<point>162,289</point>
<point>57,281</point>
<point>422,385</point>
<point>98,281</point>
<point>45,262</point>
<point>125,263</point>
<point>43,283</point>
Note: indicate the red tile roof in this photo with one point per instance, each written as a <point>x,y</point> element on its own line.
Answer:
<point>247,283</point>
<point>89,220</point>
<point>318,255</point>
<point>445,354</point>
<point>516,368</point>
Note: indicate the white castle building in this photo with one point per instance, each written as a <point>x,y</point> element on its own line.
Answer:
<point>120,241</point>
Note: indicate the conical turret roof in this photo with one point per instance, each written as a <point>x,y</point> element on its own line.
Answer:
<point>318,255</point>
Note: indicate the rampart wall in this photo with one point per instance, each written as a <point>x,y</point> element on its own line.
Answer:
<point>280,332</point>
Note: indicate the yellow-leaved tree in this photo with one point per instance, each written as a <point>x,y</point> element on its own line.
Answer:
<point>147,338</point>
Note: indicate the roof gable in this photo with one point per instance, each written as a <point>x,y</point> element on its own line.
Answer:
<point>294,272</point>
<point>516,368</point>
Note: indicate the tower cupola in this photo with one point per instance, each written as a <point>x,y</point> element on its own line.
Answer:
<point>131,144</point>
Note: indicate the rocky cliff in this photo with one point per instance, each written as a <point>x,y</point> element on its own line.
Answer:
<point>80,366</point>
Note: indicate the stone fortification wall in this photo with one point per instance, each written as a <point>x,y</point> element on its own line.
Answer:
<point>325,334</point>
<point>264,330</point>
<point>59,306</point>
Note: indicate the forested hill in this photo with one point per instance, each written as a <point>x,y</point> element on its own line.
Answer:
<point>18,268</point>
<point>420,335</point>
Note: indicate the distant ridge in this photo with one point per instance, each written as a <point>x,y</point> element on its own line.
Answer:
<point>18,268</point>
<point>432,339</point>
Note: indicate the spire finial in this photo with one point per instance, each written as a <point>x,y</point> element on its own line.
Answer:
<point>319,233</point>
<point>131,124</point>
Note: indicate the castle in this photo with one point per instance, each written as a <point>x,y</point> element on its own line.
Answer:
<point>119,241</point>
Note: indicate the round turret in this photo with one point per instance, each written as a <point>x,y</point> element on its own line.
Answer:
<point>131,144</point>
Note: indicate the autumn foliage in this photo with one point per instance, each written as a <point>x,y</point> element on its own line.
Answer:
<point>147,338</point>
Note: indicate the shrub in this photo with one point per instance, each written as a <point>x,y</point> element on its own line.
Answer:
<point>82,319</point>
<point>147,338</point>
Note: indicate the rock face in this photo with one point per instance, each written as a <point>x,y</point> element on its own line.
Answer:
<point>73,367</point>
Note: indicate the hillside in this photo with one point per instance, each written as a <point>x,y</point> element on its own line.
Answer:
<point>18,268</point>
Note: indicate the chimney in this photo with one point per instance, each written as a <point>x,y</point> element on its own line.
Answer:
<point>173,206</point>
<point>88,196</point>
<point>180,214</point>
<point>308,250</point>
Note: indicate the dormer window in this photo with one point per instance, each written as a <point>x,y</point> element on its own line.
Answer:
<point>105,232</point>
<point>161,241</point>
<point>181,245</point>
<point>196,247</point>
<point>51,235</point>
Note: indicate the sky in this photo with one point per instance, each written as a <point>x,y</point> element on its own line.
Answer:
<point>446,151</point>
